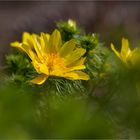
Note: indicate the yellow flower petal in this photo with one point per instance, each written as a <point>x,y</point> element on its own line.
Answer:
<point>40,68</point>
<point>77,65</point>
<point>37,45</point>
<point>25,48</point>
<point>40,79</point>
<point>44,69</point>
<point>29,51</point>
<point>80,67</point>
<point>77,75</point>
<point>26,38</point>
<point>78,62</point>
<point>135,57</point>
<point>115,51</point>
<point>55,41</point>
<point>46,38</point>
<point>75,55</point>
<point>36,65</point>
<point>82,75</point>
<point>16,44</point>
<point>67,48</point>
<point>125,50</point>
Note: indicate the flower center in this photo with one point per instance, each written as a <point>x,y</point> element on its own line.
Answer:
<point>55,62</point>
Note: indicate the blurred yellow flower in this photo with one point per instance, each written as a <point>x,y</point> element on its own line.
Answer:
<point>52,58</point>
<point>125,53</point>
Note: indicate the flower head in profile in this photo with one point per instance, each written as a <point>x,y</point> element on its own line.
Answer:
<point>52,58</point>
<point>125,53</point>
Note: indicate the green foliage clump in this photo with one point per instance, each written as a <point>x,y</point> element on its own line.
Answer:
<point>89,42</point>
<point>19,66</point>
<point>68,29</point>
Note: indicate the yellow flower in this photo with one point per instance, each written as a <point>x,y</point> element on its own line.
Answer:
<point>52,58</point>
<point>125,53</point>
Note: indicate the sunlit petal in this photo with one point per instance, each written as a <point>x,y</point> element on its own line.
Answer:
<point>115,51</point>
<point>40,79</point>
<point>55,41</point>
<point>75,55</point>
<point>67,48</point>
<point>77,75</point>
